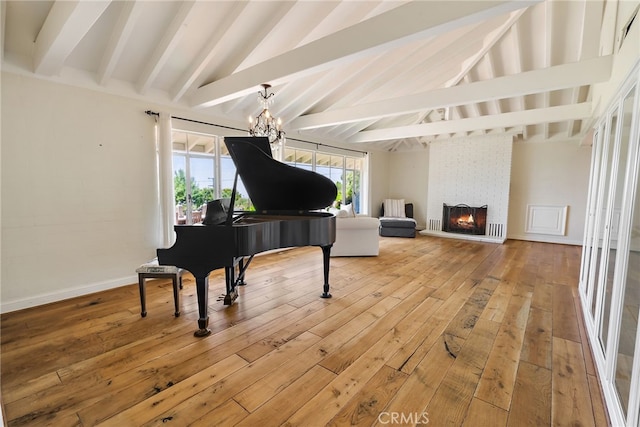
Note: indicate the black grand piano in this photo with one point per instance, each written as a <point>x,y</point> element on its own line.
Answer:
<point>286,200</point>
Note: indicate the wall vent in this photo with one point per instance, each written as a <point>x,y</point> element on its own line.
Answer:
<point>435,225</point>
<point>495,230</point>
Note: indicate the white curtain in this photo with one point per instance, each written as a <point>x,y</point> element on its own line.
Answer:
<point>165,178</point>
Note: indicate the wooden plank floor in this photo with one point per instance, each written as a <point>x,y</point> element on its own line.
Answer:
<point>446,331</point>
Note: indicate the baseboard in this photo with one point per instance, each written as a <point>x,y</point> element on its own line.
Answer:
<point>9,306</point>
<point>545,239</point>
<point>462,236</point>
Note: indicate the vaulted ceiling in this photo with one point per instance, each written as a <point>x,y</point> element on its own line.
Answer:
<point>387,75</point>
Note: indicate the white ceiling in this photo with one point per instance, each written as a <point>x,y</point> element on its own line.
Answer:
<point>392,75</point>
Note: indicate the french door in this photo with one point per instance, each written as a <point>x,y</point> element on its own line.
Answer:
<point>610,269</point>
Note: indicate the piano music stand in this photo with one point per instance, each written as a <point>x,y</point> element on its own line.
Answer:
<point>152,270</point>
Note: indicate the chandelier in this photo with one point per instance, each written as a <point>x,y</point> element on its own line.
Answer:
<point>264,124</point>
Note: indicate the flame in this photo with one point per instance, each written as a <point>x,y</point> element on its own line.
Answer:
<point>468,220</point>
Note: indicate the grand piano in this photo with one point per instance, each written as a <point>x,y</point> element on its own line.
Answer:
<point>286,199</point>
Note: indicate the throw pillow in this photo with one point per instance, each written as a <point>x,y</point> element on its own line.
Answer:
<point>394,208</point>
<point>348,209</point>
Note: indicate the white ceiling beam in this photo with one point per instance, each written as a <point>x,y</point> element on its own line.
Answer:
<point>209,52</point>
<point>589,43</point>
<point>269,24</point>
<point>258,44</point>
<point>300,94</point>
<point>388,70</point>
<point>517,118</point>
<point>608,30</point>
<point>595,70</point>
<point>66,24</point>
<point>345,132</point>
<point>488,43</point>
<point>590,40</point>
<point>517,62</point>
<point>473,109</point>
<point>333,84</point>
<point>119,38</point>
<point>492,73</point>
<point>574,99</point>
<point>392,73</point>
<point>172,36</point>
<point>406,23</point>
<point>548,46</point>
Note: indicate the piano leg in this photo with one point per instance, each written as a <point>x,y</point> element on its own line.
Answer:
<point>326,256</point>
<point>230,279</point>
<point>202,289</point>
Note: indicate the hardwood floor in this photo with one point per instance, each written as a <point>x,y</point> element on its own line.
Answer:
<point>446,331</point>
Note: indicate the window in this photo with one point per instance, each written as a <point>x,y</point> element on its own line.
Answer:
<point>353,179</point>
<point>333,168</point>
<point>344,171</point>
<point>302,159</point>
<point>203,171</point>
<point>228,172</point>
<point>194,172</point>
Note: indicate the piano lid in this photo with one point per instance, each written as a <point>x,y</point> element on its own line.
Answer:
<point>276,186</point>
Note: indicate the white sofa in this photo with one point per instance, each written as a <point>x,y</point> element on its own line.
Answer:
<point>356,236</point>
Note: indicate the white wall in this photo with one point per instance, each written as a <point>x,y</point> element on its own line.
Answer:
<point>379,178</point>
<point>408,180</point>
<point>553,173</point>
<point>79,194</point>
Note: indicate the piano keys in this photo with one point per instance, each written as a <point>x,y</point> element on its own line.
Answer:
<point>286,199</point>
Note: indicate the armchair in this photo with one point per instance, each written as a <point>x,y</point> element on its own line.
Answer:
<point>396,221</point>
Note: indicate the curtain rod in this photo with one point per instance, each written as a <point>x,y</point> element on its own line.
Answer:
<point>317,144</point>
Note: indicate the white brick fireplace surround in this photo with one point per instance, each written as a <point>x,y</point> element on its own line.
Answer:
<point>475,171</point>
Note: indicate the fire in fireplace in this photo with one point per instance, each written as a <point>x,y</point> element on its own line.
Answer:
<point>464,219</point>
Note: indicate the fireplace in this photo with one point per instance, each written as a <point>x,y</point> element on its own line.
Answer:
<point>464,219</point>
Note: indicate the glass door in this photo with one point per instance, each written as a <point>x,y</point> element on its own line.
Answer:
<point>627,274</point>
<point>601,227</point>
<point>610,270</point>
<point>616,192</point>
<point>630,310</point>
<point>591,213</point>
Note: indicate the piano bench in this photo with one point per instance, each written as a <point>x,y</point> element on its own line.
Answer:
<point>152,270</point>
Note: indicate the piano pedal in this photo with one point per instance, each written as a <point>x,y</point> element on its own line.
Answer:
<point>220,297</point>
<point>230,297</point>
